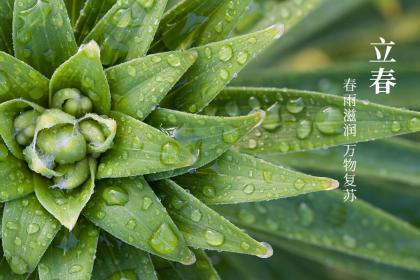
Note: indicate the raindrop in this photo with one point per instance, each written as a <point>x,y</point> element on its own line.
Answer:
<point>244,246</point>
<point>214,238</point>
<point>131,71</point>
<point>18,265</point>
<point>12,226</point>
<point>75,268</point>
<point>174,60</point>
<point>196,215</point>
<point>225,53</point>
<point>349,241</point>
<point>303,129</point>
<point>164,240</point>
<point>395,126</point>
<point>209,191</point>
<point>242,58</point>
<point>147,201</point>
<point>249,189</point>
<point>295,106</point>
<point>231,135</point>
<point>272,119</point>
<point>122,18</point>
<point>414,124</point>
<point>299,184</point>
<point>232,108</point>
<point>114,195</point>
<point>146,3</point>
<point>32,228</point>
<point>330,121</point>
<point>170,153</point>
<point>224,74</point>
<point>267,175</point>
<point>131,224</point>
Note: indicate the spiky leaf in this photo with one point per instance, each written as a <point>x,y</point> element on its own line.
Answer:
<point>205,228</point>
<point>84,71</point>
<point>65,206</point>
<point>236,177</point>
<point>71,253</point>
<point>42,34</point>
<point>6,17</point>
<point>128,209</point>
<point>206,137</point>
<point>27,231</point>
<point>139,85</point>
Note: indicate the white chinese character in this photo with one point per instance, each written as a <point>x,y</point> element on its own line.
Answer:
<point>350,100</point>
<point>350,129</point>
<point>379,56</point>
<point>350,150</point>
<point>383,80</point>
<point>350,84</point>
<point>350,196</point>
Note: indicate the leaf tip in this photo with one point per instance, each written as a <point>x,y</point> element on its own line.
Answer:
<point>268,251</point>
<point>92,49</point>
<point>190,259</point>
<point>278,30</point>
<point>333,184</point>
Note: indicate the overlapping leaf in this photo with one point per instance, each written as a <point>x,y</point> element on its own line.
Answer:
<point>84,72</point>
<point>202,269</point>
<point>19,80</point>
<point>206,137</point>
<point>16,179</point>
<point>139,85</point>
<point>125,22</point>
<point>65,206</point>
<point>301,120</point>
<point>204,228</point>
<point>5,271</point>
<point>323,220</point>
<point>116,260</point>
<point>6,17</point>
<point>71,253</point>
<point>73,9</point>
<point>141,149</point>
<point>42,34</point>
<point>217,64</point>
<point>236,177</point>
<point>128,209</point>
<point>194,23</point>
<point>8,111</point>
<point>27,231</point>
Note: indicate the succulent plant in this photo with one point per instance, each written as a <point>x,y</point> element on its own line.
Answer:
<point>119,139</point>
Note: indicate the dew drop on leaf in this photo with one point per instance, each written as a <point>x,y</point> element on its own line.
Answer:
<point>272,119</point>
<point>225,53</point>
<point>164,240</point>
<point>214,238</point>
<point>249,189</point>
<point>230,135</point>
<point>18,265</point>
<point>75,268</point>
<point>196,215</point>
<point>174,60</point>
<point>330,121</point>
<point>147,202</point>
<point>299,184</point>
<point>170,153</point>
<point>295,106</point>
<point>32,228</point>
<point>114,195</point>
<point>304,129</point>
<point>414,124</point>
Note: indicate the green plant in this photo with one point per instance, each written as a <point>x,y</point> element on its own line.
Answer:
<point>85,147</point>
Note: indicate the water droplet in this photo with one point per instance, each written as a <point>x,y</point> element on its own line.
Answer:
<point>303,129</point>
<point>244,246</point>
<point>164,240</point>
<point>131,224</point>
<point>196,215</point>
<point>272,119</point>
<point>232,108</point>
<point>224,74</point>
<point>114,195</point>
<point>299,184</point>
<point>249,189</point>
<point>267,175</point>
<point>231,135</point>
<point>131,71</point>
<point>174,60</point>
<point>306,214</point>
<point>207,52</point>
<point>349,241</point>
<point>12,225</point>
<point>18,265</point>
<point>414,124</point>
<point>75,268</point>
<point>252,144</point>
<point>32,228</point>
<point>225,53</point>
<point>18,241</point>
<point>122,18</point>
<point>295,106</point>
<point>170,153</point>
<point>146,3</point>
<point>242,58</point>
<point>209,191</point>
<point>395,126</point>
<point>147,202</point>
<point>330,121</point>
<point>214,238</point>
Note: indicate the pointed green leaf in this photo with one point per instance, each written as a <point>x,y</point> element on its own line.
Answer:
<point>217,64</point>
<point>128,209</point>
<point>5,272</point>
<point>27,231</point>
<point>127,30</point>
<point>16,178</point>
<point>195,22</point>
<point>73,9</point>
<point>92,12</point>
<point>109,265</point>
<point>406,169</point>
<point>6,18</point>
<point>19,80</point>
<point>206,137</point>
<point>65,206</point>
<point>84,71</point>
<point>141,149</point>
<point>42,34</point>
<point>202,269</point>
<point>356,266</point>
<point>8,112</point>
<point>324,220</point>
<point>71,253</point>
<point>139,85</point>
<point>302,120</point>
<point>204,228</point>
<point>236,177</point>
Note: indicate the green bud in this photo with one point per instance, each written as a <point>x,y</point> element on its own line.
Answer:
<point>24,125</point>
<point>92,132</point>
<point>74,175</point>
<point>71,101</point>
<point>63,143</point>
<point>71,107</point>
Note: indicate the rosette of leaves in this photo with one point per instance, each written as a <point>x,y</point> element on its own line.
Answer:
<point>118,137</point>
